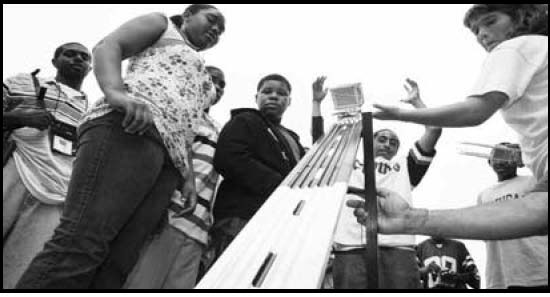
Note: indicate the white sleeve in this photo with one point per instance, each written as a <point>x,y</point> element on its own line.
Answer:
<point>510,69</point>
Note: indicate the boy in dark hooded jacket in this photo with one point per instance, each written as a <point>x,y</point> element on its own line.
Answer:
<point>254,154</point>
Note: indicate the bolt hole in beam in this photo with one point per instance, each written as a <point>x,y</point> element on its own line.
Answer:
<point>264,270</point>
<point>299,208</point>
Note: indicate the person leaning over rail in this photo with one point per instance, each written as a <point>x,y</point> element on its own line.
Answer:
<point>172,259</point>
<point>397,258</point>
<point>133,145</point>
<point>514,79</point>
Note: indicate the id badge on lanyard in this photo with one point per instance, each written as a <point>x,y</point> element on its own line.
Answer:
<point>63,138</point>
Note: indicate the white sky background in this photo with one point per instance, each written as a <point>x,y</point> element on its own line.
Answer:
<point>378,45</point>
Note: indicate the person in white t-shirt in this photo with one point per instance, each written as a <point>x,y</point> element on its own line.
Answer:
<point>397,258</point>
<point>520,263</point>
<point>514,79</point>
<point>35,178</point>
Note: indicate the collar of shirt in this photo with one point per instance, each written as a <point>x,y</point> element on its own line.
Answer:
<point>70,92</point>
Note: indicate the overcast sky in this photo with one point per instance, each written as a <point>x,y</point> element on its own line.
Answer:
<point>377,45</point>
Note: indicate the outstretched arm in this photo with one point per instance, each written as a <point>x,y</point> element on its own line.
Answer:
<point>497,221</point>
<point>473,111</point>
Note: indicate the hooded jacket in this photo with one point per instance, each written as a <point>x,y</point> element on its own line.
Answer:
<point>254,158</point>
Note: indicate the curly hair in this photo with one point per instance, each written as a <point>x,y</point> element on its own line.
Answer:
<point>531,18</point>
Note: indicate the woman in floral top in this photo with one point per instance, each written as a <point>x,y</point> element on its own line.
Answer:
<point>133,145</point>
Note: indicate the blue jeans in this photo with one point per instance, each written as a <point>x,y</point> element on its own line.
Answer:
<point>115,176</point>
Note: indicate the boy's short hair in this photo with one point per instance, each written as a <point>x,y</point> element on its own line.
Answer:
<point>275,77</point>
<point>533,18</point>
<point>61,48</point>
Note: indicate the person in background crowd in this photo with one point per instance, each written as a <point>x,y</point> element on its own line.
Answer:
<point>134,146</point>
<point>255,153</point>
<point>520,263</point>
<point>447,264</point>
<point>173,258</point>
<point>41,116</point>
<point>397,258</point>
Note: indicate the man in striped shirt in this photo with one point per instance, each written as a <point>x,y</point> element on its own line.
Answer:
<point>172,259</point>
<point>41,116</point>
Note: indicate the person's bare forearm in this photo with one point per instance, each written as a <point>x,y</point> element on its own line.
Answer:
<point>108,67</point>
<point>131,38</point>
<point>472,112</point>
<point>430,138</point>
<point>498,221</point>
<point>454,116</point>
<point>316,111</point>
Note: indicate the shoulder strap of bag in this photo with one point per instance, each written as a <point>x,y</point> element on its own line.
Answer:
<point>40,91</point>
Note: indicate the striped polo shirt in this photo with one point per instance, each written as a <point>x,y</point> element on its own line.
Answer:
<point>197,224</point>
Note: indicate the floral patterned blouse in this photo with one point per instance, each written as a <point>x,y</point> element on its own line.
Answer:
<point>173,81</point>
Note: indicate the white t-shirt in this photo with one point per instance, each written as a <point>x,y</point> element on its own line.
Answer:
<point>520,262</point>
<point>519,68</point>
<point>400,174</point>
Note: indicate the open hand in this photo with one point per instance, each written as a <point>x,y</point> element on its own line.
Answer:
<point>319,91</point>
<point>138,117</point>
<point>413,94</point>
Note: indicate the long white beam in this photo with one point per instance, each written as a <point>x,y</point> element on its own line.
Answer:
<point>286,245</point>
